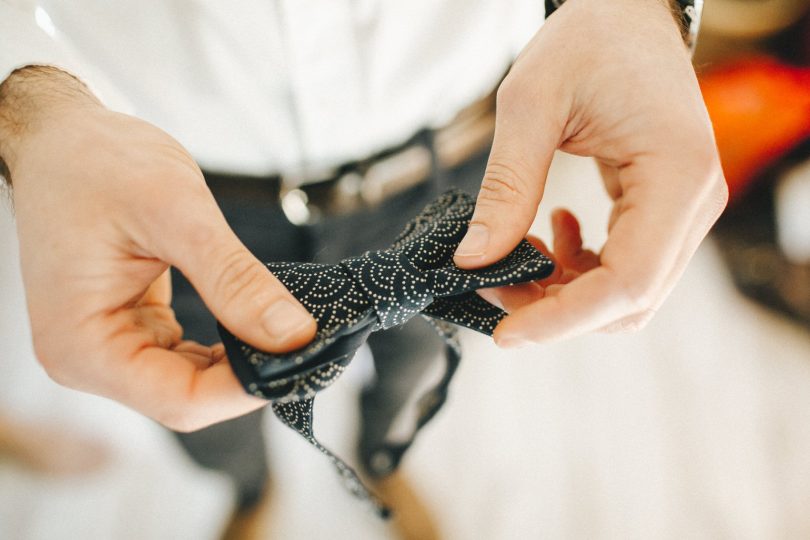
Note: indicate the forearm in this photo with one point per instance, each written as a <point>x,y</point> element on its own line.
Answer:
<point>29,98</point>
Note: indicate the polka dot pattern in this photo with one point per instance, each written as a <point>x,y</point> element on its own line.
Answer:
<point>377,291</point>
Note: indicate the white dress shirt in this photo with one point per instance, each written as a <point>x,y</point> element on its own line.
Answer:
<point>267,86</point>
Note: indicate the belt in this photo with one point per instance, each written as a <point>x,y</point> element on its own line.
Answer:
<point>366,183</point>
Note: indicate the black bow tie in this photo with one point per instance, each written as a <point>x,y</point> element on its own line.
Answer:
<point>376,291</point>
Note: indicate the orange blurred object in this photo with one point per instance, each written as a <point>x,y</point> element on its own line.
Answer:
<point>760,109</point>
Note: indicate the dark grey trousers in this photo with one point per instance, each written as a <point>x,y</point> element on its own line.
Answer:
<point>401,355</point>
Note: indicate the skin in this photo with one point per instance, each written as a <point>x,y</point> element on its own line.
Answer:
<point>627,95</point>
<point>105,203</point>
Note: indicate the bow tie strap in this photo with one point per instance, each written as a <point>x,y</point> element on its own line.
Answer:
<point>298,416</point>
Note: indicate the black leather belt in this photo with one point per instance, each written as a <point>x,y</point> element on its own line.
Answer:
<point>366,183</point>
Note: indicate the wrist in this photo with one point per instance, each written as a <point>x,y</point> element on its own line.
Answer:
<point>680,15</point>
<point>32,99</point>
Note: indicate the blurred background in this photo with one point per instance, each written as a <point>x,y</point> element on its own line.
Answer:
<point>696,427</point>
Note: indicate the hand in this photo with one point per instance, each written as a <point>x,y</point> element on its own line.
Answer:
<point>570,260</point>
<point>104,204</point>
<point>612,80</point>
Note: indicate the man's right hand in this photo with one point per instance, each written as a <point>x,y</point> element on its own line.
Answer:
<point>105,203</point>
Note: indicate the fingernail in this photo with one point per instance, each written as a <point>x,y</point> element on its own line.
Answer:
<point>474,242</point>
<point>284,318</point>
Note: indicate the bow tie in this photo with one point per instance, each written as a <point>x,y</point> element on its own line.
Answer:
<point>377,291</point>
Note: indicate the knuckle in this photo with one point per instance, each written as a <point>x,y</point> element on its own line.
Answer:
<point>502,183</point>
<point>166,336</point>
<point>718,198</point>
<point>184,414</point>
<point>639,295</point>
<point>179,420</point>
<point>703,163</point>
<point>714,195</point>
<point>55,371</point>
<point>51,362</point>
<point>632,324</point>
<point>240,277</point>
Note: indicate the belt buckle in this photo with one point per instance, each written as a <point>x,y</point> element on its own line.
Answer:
<point>295,205</point>
<point>364,186</point>
<point>396,173</point>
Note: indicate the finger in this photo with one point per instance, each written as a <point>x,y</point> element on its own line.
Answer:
<point>560,274</point>
<point>632,323</point>
<point>615,212</point>
<point>568,243</point>
<point>218,352</point>
<point>157,321</point>
<point>179,393</point>
<point>710,211</point>
<point>557,273</point>
<point>610,177</point>
<point>707,213</point>
<point>674,214</point>
<point>526,137</point>
<point>512,297</point>
<point>201,355</point>
<point>636,264</point>
<point>160,291</point>
<point>581,306</point>
<point>243,295</point>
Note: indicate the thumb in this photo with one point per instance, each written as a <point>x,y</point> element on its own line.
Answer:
<point>513,183</point>
<point>240,291</point>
